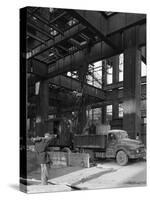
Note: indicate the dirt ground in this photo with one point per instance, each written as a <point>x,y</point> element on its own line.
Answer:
<point>101,174</point>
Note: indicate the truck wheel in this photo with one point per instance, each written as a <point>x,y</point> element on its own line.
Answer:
<point>122,158</point>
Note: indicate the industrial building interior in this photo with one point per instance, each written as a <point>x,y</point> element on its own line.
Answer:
<point>86,72</point>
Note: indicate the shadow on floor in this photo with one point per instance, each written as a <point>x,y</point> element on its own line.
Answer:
<point>15,187</point>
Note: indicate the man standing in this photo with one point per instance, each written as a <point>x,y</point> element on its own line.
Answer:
<point>41,147</point>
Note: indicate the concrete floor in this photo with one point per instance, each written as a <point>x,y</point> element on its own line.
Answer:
<point>104,175</point>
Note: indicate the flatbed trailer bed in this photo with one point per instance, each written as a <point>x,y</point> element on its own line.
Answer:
<point>90,141</point>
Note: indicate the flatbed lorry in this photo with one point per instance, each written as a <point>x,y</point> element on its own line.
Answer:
<point>115,144</point>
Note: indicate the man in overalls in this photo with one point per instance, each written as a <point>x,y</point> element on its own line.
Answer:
<point>41,147</point>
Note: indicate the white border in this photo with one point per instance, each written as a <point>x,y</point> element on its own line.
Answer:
<point>9,100</point>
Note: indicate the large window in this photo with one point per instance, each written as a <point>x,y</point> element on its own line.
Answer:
<point>94,114</point>
<point>143,108</point>
<point>143,69</point>
<point>94,76</point>
<point>120,110</point>
<point>121,58</point>
<point>109,72</point>
<point>37,88</point>
<point>108,113</point>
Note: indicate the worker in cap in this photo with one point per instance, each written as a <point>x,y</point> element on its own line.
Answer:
<point>41,147</point>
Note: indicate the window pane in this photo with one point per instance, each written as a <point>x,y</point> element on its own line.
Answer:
<point>94,76</point>
<point>121,67</point>
<point>143,108</point>
<point>37,88</point>
<point>97,114</point>
<point>120,110</point>
<point>108,113</point>
<point>109,74</point>
<point>143,69</point>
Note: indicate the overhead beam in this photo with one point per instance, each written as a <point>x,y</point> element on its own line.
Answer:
<point>97,52</point>
<point>109,100</point>
<point>63,98</point>
<point>58,39</point>
<point>37,68</point>
<point>34,10</point>
<point>46,22</point>
<point>121,21</point>
<point>110,95</point>
<point>35,38</point>
<point>40,30</point>
<point>70,84</point>
<point>74,85</point>
<point>115,24</point>
<point>96,21</point>
<point>120,84</point>
<point>75,43</point>
<point>58,17</point>
<point>70,101</point>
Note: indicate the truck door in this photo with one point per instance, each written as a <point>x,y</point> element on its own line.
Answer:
<point>111,144</point>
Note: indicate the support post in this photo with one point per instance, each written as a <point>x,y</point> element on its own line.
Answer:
<point>104,82</point>
<point>132,82</point>
<point>82,110</point>
<point>115,61</point>
<point>115,110</point>
<point>104,74</point>
<point>42,109</point>
<point>104,114</point>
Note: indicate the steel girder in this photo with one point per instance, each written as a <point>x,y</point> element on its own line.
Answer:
<point>111,97</point>
<point>95,21</point>
<point>74,85</point>
<point>115,24</point>
<point>97,52</point>
<point>58,39</point>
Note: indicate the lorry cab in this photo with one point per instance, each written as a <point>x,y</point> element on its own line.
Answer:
<point>112,144</point>
<point>114,136</point>
<point>121,147</point>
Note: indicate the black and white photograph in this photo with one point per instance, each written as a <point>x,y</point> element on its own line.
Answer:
<point>83,99</point>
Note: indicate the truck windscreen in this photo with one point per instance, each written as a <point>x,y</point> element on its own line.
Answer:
<point>122,135</point>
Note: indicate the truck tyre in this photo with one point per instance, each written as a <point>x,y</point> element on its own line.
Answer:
<point>122,158</point>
